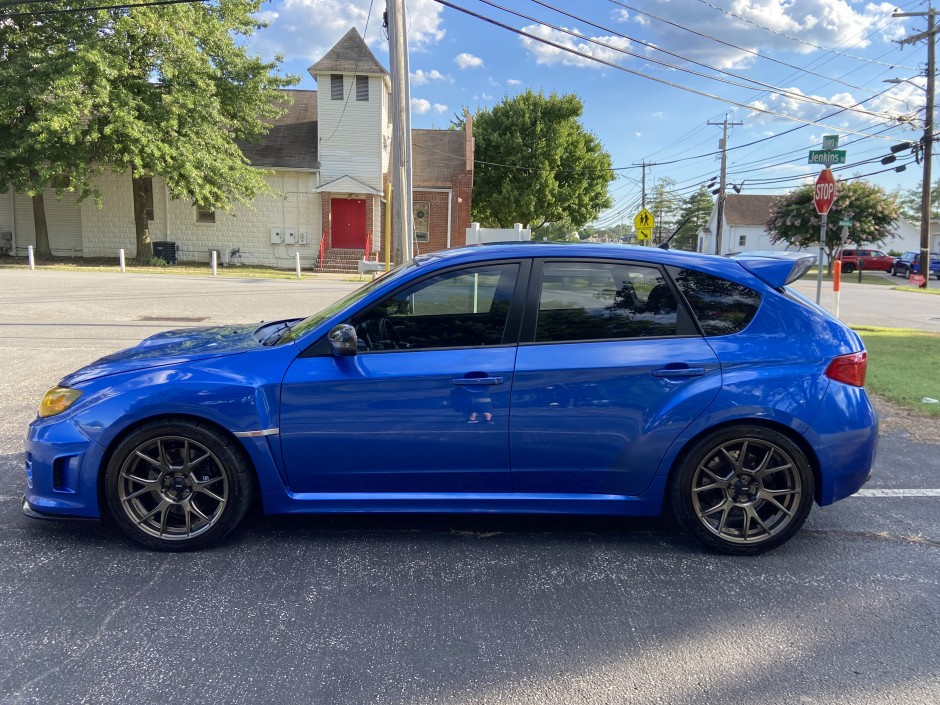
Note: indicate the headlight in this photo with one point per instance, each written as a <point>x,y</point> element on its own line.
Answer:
<point>57,400</point>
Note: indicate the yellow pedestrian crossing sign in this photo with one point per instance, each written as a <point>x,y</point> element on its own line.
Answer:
<point>643,223</point>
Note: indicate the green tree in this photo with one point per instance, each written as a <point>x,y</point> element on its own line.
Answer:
<point>793,218</point>
<point>156,91</point>
<point>537,164</point>
<point>663,202</point>
<point>909,201</point>
<point>33,56</point>
<point>695,213</point>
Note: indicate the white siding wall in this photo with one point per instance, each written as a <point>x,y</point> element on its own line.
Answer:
<point>350,132</point>
<point>63,221</point>
<point>6,213</point>
<point>248,228</point>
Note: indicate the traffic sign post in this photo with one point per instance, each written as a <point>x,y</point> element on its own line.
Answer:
<point>644,223</point>
<point>823,196</point>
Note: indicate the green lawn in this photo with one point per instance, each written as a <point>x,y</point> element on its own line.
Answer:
<point>903,366</point>
<point>849,279</point>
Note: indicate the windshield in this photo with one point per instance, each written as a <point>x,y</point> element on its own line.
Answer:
<point>303,327</point>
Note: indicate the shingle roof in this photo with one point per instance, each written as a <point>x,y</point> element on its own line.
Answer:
<point>292,140</point>
<point>349,55</point>
<point>437,156</point>
<point>742,209</point>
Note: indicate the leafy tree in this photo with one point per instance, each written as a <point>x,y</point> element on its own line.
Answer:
<point>551,169</point>
<point>156,91</point>
<point>695,212</point>
<point>663,203</point>
<point>793,218</point>
<point>909,201</point>
<point>33,56</point>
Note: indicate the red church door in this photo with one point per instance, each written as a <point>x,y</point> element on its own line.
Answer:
<point>348,222</point>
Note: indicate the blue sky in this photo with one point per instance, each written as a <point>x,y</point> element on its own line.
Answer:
<point>783,62</point>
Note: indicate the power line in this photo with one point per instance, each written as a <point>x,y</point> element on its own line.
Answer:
<point>765,86</point>
<point>612,65</point>
<point>796,39</point>
<point>70,10</point>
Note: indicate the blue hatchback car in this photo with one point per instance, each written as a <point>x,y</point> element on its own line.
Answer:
<point>520,378</point>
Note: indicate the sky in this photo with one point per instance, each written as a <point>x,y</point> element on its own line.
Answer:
<point>790,71</point>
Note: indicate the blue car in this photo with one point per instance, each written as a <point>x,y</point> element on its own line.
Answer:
<point>909,263</point>
<point>580,379</point>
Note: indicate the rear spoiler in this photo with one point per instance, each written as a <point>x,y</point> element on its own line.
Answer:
<point>776,268</point>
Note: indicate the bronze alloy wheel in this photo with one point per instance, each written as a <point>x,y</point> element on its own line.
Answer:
<point>178,485</point>
<point>173,488</point>
<point>744,490</point>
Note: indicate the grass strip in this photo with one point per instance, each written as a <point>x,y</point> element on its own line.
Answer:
<point>903,366</point>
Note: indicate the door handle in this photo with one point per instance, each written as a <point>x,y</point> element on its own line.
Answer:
<point>683,371</point>
<point>477,381</point>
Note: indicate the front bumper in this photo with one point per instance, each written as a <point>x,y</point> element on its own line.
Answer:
<point>62,466</point>
<point>34,514</point>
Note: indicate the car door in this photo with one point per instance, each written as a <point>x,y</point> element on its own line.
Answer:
<point>424,404</point>
<point>610,370</point>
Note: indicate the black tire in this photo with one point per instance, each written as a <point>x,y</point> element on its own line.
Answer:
<point>848,267</point>
<point>892,271</point>
<point>178,485</point>
<point>746,506</point>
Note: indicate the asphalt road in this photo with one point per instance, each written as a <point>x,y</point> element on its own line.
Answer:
<point>440,609</point>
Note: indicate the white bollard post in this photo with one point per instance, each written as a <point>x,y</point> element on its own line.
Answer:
<point>32,257</point>
<point>297,263</point>
<point>121,259</point>
<point>215,263</point>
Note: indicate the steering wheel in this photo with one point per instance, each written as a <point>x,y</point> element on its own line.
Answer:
<point>388,332</point>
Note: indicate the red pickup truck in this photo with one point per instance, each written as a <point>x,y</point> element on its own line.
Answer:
<point>865,259</point>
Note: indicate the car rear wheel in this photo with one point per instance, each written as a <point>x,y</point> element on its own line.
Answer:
<point>848,267</point>
<point>743,490</point>
<point>177,485</point>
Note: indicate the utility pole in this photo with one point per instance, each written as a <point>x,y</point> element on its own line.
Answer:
<point>724,172</point>
<point>643,195</point>
<point>929,35</point>
<point>400,163</point>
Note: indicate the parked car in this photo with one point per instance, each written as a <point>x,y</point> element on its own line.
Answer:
<point>589,379</point>
<point>909,263</point>
<point>865,259</point>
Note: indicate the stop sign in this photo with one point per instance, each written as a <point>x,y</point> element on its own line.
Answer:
<point>825,192</point>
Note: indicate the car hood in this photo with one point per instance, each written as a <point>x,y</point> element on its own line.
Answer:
<point>170,348</point>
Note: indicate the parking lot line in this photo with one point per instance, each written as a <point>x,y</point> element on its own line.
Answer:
<point>897,493</point>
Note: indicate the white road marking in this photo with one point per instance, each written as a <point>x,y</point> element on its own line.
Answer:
<point>897,493</point>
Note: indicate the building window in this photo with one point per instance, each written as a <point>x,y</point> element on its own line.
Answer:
<point>362,88</point>
<point>204,215</point>
<point>336,86</point>
<point>422,213</point>
<point>742,240</point>
<point>147,185</point>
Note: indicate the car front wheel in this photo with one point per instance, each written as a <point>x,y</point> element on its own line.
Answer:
<point>743,490</point>
<point>177,485</point>
<point>892,271</point>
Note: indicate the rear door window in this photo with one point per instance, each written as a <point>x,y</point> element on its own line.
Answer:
<point>603,301</point>
<point>722,307</point>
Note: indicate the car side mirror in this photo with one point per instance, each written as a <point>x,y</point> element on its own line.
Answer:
<point>343,340</point>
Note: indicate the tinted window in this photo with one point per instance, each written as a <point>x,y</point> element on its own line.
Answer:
<point>602,301</point>
<point>721,306</point>
<point>460,308</point>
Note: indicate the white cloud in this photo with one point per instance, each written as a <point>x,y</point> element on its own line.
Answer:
<point>548,55</point>
<point>638,134</point>
<point>514,82</point>
<point>420,78</point>
<point>307,29</point>
<point>620,15</point>
<point>439,108</point>
<point>468,61</point>
<point>420,106</point>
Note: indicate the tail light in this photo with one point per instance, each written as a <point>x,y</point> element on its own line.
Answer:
<point>849,369</point>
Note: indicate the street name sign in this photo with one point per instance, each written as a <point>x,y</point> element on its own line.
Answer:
<point>827,157</point>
